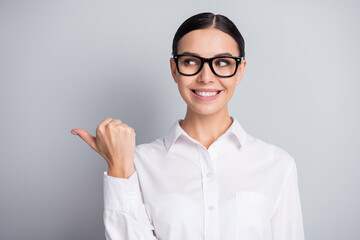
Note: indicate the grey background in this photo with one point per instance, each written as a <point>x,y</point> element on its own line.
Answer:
<point>71,64</point>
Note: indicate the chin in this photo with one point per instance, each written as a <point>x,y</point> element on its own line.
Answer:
<point>205,110</point>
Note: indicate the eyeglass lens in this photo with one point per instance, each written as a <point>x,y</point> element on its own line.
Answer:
<point>222,66</point>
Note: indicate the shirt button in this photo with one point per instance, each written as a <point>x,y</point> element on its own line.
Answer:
<point>212,207</point>
<point>209,174</point>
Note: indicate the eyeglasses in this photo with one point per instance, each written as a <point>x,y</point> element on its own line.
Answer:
<point>222,66</point>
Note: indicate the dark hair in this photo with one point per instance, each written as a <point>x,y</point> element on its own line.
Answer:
<point>209,20</point>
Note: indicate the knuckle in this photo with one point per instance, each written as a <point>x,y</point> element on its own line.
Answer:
<point>120,128</point>
<point>100,128</point>
<point>116,121</point>
<point>130,130</point>
<point>112,125</point>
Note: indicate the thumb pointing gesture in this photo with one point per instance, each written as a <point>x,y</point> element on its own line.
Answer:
<point>115,142</point>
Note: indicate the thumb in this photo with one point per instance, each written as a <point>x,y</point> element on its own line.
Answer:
<point>87,137</point>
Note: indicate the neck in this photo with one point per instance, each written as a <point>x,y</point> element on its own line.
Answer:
<point>206,128</point>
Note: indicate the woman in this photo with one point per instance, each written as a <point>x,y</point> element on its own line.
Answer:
<point>206,178</point>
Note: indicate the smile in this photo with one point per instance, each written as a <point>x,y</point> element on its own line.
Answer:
<point>206,94</point>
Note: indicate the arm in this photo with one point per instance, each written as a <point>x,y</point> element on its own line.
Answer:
<point>125,215</point>
<point>287,223</point>
<point>124,211</point>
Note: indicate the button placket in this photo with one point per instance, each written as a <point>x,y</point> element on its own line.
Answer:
<point>210,191</point>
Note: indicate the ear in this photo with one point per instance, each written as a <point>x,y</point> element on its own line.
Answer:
<point>173,70</point>
<point>240,71</point>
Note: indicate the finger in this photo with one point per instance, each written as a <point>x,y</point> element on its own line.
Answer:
<point>74,131</point>
<point>115,122</point>
<point>87,137</point>
<point>103,124</point>
<point>106,121</point>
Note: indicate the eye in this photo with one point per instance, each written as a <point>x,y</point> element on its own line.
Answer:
<point>190,62</point>
<point>222,62</point>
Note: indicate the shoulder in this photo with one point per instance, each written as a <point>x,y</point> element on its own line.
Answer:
<point>149,155</point>
<point>271,153</point>
<point>155,147</point>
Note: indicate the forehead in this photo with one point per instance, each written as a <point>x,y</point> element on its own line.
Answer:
<point>208,42</point>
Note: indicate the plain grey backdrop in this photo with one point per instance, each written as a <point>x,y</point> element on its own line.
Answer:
<point>71,64</point>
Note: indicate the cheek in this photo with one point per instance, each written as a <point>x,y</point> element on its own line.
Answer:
<point>183,88</point>
<point>230,86</point>
<point>184,83</point>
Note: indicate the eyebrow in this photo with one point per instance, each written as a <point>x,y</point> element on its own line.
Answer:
<point>217,55</point>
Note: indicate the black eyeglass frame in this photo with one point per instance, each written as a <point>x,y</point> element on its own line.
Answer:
<point>209,60</point>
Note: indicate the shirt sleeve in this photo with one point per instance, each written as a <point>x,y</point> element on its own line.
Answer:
<point>287,223</point>
<point>125,216</point>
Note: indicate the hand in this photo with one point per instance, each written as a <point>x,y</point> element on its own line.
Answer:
<point>115,142</point>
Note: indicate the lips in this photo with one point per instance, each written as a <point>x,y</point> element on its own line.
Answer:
<point>205,90</point>
<point>206,94</point>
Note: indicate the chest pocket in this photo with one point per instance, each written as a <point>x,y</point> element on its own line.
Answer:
<point>253,216</point>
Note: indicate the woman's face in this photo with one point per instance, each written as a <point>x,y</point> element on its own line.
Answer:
<point>207,43</point>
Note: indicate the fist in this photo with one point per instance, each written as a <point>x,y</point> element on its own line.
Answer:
<point>115,142</point>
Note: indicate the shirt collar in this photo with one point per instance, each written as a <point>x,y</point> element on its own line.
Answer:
<point>176,131</point>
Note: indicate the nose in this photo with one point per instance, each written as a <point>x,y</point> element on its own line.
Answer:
<point>206,75</point>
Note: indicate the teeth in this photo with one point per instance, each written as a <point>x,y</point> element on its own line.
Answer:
<point>206,94</point>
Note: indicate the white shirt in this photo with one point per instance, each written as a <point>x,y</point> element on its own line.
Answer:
<point>239,188</point>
